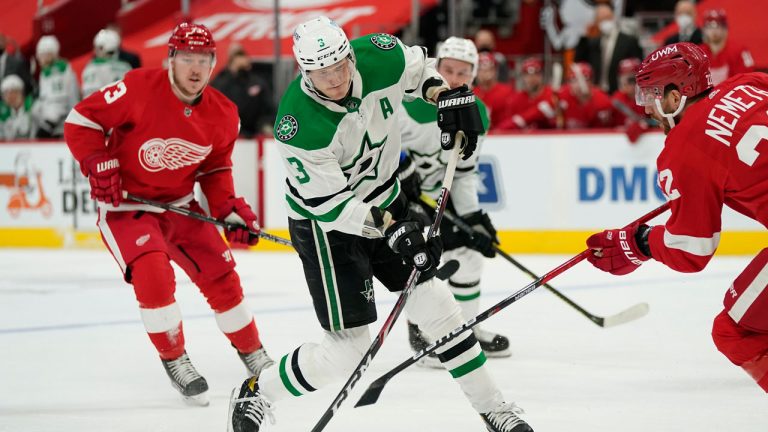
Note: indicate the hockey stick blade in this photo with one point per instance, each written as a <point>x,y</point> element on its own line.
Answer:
<point>372,393</point>
<point>633,313</point>
<point>447,270</point>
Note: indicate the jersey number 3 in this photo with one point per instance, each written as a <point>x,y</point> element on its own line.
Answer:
<point>115,93</point>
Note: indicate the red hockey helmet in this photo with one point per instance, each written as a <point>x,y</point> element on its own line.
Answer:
<point>629,66</point>
<point>531,65</point>
<point>191,37</point>
<point>580,69</point>
<point>716,17</point>
<point>683,64</point>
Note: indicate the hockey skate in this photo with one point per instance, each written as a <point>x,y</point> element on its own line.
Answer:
<point>418,343</point>
<point>504,418</point>
<point>248,409</point>
<point>493,345</point>
<point>186,380</point>
<point>256,361</point>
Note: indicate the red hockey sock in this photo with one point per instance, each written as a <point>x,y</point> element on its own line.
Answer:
<point>246,340</point>
<point>757,368</point>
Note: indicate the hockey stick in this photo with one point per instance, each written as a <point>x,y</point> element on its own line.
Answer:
<point>204,218</point>
<point>630,314</point>
<point>378,341</point>
<point>371,395</point>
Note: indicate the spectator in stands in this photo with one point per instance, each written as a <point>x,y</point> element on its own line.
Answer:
<point>250,92</point>
<point>58,89</point>
<point>105,67</point>
<point>15,110</point>
<point>627,114</point>
<point>14,64</point>
<point>494,94</point>
<point>485,41</point>
<point>129,57</point>
<point>605,51</point>
<point>526,107</point>
<point>727,58</point>
<point>685,18</point>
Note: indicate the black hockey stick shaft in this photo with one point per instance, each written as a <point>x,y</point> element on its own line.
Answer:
<point>378,341</point>
<point>205,218</point>
<point>371,395</point>
<point>462,225</point>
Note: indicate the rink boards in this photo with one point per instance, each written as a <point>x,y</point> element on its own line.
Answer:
<point>546,192</point>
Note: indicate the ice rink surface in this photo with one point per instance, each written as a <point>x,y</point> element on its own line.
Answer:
<point>74,355</point>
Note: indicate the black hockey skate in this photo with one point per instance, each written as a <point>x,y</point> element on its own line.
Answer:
<point>504,418</point>
<point>248,409</point>
<point>418,343</point>
<point>256,361</point>
<point>493,345</point>
<point>186,380</point>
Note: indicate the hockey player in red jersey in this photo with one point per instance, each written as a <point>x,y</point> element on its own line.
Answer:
<point>711,157</point>
<point>727,57</point>
<point>581,104</point>
<point>168,131</point>
<point>533,106</point>
<point>627,114</point>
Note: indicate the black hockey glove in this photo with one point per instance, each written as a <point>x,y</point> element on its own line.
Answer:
<point>485,234</point>
<point>410,181</point>
<point>405,238</point>
<point>458,111</point>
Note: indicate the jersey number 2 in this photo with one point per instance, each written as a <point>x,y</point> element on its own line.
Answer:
<point>746,146</point>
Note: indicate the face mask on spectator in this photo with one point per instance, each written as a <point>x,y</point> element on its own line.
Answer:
<point>606,26</point>
<point>684,21</point>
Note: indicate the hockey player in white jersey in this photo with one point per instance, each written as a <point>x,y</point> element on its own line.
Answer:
<point>339,140</point>
<point>422,169</point>
<point>58,89</point>
<point>105,67</point>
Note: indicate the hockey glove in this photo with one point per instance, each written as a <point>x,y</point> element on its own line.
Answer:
<point>103,172</point>
<point>484,237</point>
<point>410,181</point>
<point>458,111</point>
<point>243,226</point>
<point>405,238</point>
<point>619,251</point>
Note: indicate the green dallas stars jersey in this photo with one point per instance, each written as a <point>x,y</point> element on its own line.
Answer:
<point>341,161</point>
<point>421,140</point>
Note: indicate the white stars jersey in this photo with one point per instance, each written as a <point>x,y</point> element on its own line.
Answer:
<point>421,140</point>
<point>342,160</point>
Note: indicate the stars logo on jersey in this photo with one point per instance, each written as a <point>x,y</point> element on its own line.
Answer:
<point>173,153</point>
<point>365,164</point>
<point>368,291</point>
<point>428,164</point>
<point>384,41</point>
<point>286,128</point>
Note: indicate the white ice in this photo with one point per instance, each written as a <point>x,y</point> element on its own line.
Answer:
<point>74,355</point>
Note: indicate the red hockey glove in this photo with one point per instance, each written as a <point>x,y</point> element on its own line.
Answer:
<point>617,251</point>
<point>244,227</point>
<point>635,129</point>
<point>103,172</point>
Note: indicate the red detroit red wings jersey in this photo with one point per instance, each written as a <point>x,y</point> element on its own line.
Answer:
<point>717,155</point>
<point>731,60</point>
<point>595,112</point>
<point>162,143</point>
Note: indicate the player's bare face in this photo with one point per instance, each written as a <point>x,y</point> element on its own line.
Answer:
<point>333,81</point>
<point>456,72</point>
<point>532,81</point>
<point>191,72</point>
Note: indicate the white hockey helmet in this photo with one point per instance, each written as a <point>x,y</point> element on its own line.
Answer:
<point>11,82</point>
<point>106,42</point>
<point>319,43</point>
<point>459,49</point>
<point>48,45</point>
